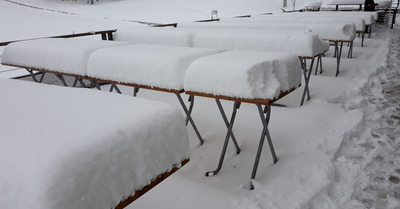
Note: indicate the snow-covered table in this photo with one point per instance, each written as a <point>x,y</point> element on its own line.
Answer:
<point>306,45</point>
<point>155,67</point>
<point>259,78</point>
<point>88,154</point>
<point>61,56</point>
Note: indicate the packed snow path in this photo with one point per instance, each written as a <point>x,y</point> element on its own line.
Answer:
<point>368,163</point>
<point>383,188</point>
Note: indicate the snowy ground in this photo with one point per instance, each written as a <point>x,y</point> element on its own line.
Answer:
<point>339,150</point>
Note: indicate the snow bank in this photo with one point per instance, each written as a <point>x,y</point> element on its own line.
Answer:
<point>300,43</point>
<point>60,55</point>
<point>244,74</point>
<point>78,148</point>
<point>151,65</point>
<point>152,35</point>
<point>335,31</point>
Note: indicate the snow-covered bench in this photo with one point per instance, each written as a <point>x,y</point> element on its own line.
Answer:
<point>94,153</point>
<point>337,3</point>
<point>307,46</point>
<point>155,67</point>
<point>254,77</point>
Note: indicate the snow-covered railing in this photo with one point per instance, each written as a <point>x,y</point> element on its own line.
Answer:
<point>81,148</point>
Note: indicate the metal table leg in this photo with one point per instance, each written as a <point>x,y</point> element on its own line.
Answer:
<point>265,133</point>
<point>306,79</point>
<point>189,117</point>
<point>236,106</point>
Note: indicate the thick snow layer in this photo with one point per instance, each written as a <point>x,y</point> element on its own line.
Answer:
<point>244,74</point>
<point>300,43</point>
<point>60,55</point>
<point>312,3</point>
<point>335,31</point>
<point>368,17</point>
<point>312,172</point>
<point>150,65</point>
<point>77,148</point>
<point>151,35</point>
<point>304,19</point>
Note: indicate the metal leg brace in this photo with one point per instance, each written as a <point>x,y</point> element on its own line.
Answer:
<point>113,86</point>
<point>338,54</point>
<point>189,117</point>
<point>95,84</point>
<point>80,82</point>
<point>61,77</point>
<point>191,100</point>
<point>33,75</point>
<point>135,91</point>
<point>319,65</point>
<point>265,133</point>
<point>306,79</point>
<point>236,106</point>
<point>221,110</point>
<point>350,54</point>
<point>362,39</point>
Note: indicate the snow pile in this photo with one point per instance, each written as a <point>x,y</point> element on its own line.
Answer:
<point>244,74</point>
<point>152,35</point>
<point>331,31</point>
<point>60,55</point>
<point>82,148</point>
<point>150,65</point>
<point>300,43</point>
<point>312,3</point>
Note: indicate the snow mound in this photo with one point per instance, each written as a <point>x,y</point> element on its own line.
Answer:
<point>244,74</point>
<point>54,54</point>
<point>150,65</point>
<point>82,148</point>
